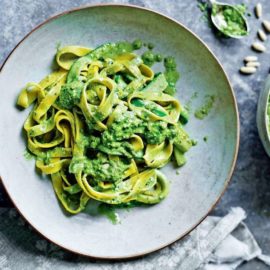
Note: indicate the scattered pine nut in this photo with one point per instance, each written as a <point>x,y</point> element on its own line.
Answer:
<point>266,25</point>
<point>251,58</point>
<point>248,70</point>
<point>253,64</point>
<point>262,35</point>
<point>259,47</point>
<point>258,10</point>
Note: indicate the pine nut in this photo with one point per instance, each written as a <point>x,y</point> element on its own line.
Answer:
<point>248,70</point>
<point>266,25</point>
<point>251,58</point>
<point>253,64</point>
<point>259,47</point>
<point>258,10</point>
<point>262,35</point>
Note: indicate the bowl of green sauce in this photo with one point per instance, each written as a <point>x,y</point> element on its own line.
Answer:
<point>230,20</point>
<point>263,116</point>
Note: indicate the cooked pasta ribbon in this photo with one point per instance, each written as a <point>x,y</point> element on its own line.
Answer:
<point>102,125</point>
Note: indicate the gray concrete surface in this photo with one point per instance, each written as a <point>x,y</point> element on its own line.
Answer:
<point>250,186</point>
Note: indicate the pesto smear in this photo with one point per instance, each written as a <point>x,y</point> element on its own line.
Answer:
<point>28,155</point>
<point>171,74</point>
<point>205,109</point>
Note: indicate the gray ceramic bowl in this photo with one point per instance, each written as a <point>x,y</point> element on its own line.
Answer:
<point>201,181</point>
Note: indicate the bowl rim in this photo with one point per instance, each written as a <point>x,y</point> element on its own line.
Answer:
<point>262,117</point>
<point>232,166</point>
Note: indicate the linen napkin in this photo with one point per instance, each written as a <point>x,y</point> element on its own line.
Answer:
<point>221,244</point>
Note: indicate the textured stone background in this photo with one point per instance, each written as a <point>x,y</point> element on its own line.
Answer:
<point>250,186</point>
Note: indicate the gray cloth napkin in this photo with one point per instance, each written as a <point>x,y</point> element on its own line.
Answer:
<point>221,244</point>
<point>216,244</point>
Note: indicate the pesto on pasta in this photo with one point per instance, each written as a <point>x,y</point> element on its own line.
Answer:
<point>103,124</point>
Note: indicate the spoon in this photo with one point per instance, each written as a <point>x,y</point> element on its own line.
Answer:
<point>263,117</point>
<point>220,22</point>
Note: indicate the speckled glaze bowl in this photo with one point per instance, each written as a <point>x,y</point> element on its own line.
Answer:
<point>200,183</point>
<point>262,117</point>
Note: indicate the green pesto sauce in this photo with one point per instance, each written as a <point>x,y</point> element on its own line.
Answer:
<point>137,44</point>
<point>150,46</point>
<point>109,212</point>
<point>235,23</point>
<point>95,208</point>
<point>111,50</point>
<point>113,142</point>
<point>148,58</point>
<point>171,75</point>
<point>184,116</point>
<point>205,138</point>
<point>157,132</point>
<point>128,124</point>
<point>101,169</point>
<point>130,205</point>
<point>205,109</point>
<point>28,155</point>
<point>70,95</point>
<point>194,142</point>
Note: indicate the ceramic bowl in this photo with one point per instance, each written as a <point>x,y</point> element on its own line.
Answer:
<point>262,116</point>
<point>200,183</point>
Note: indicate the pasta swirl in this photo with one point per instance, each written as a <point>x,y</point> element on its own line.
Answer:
<point>101,125</point>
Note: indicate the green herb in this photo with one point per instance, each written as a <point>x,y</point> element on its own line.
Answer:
<point>202,6</point>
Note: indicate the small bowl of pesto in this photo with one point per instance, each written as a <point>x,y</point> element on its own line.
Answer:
<point>263,116</point>
<point>230,20</point>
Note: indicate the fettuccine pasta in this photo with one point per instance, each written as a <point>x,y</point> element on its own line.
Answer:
<point>103,124</point>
